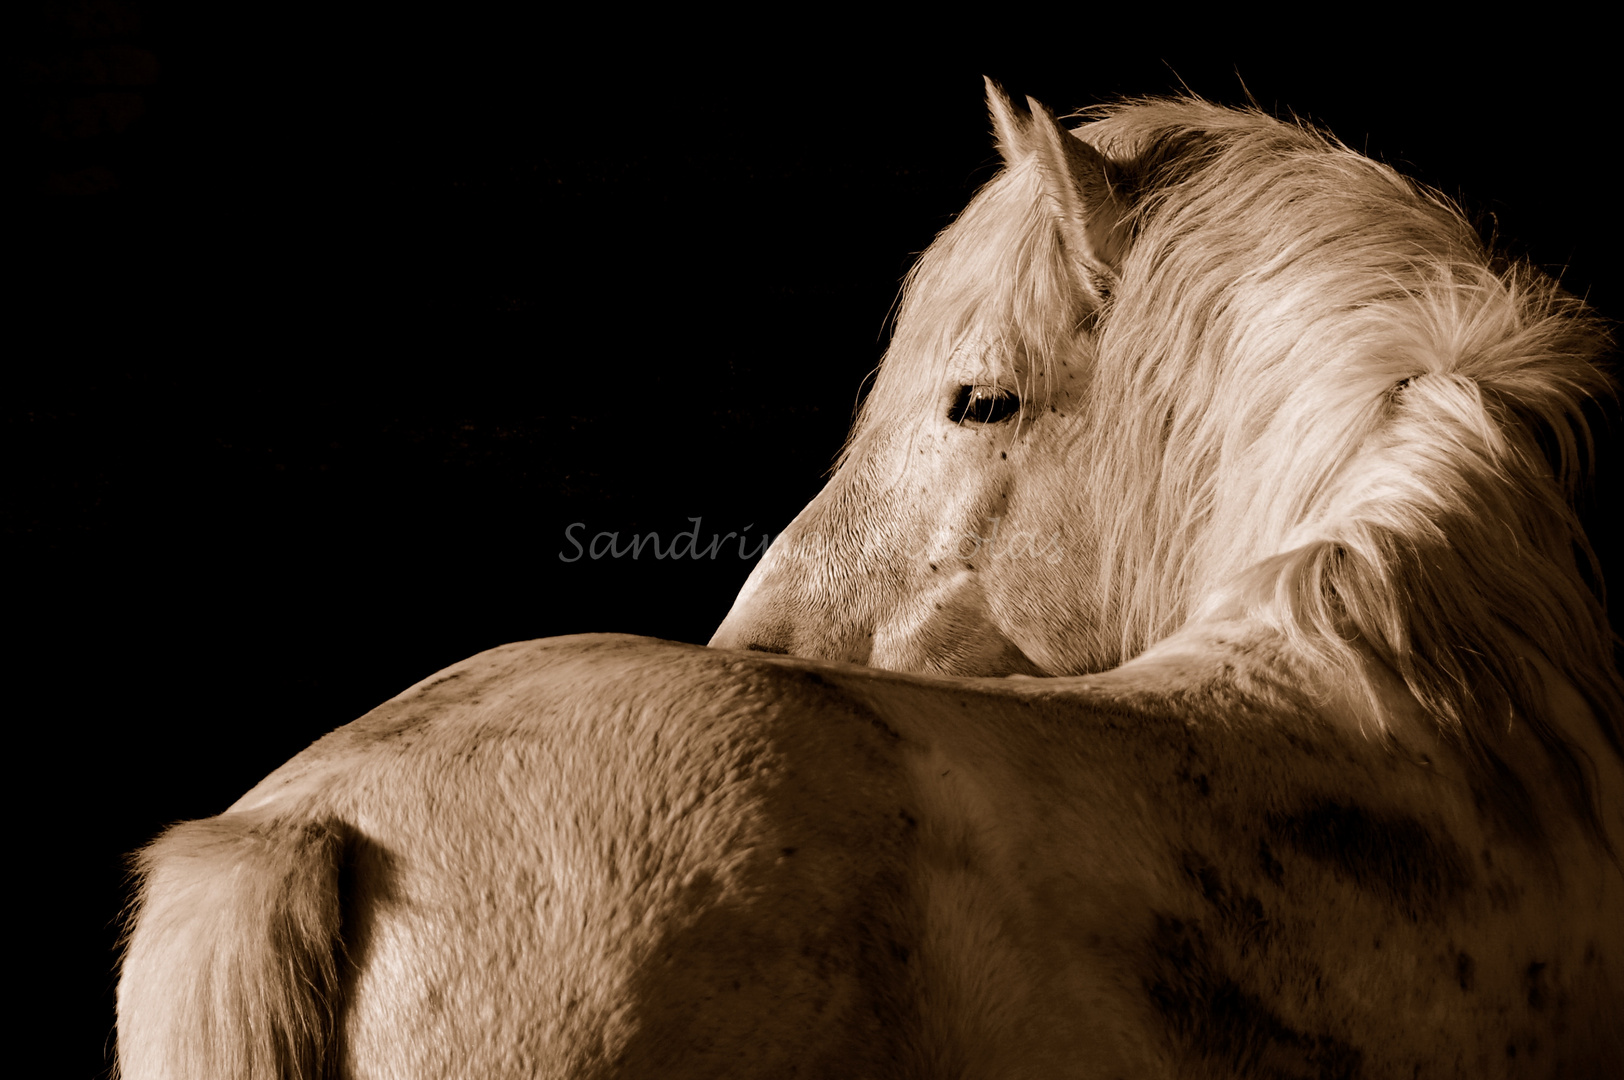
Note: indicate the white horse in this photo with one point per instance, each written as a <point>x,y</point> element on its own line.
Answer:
<point>1240,437</point>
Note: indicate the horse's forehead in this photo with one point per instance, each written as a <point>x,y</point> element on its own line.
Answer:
<point>984,347</point>
<point>993,345</point>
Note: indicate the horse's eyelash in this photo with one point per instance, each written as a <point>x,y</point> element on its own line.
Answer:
<point>981,404</point>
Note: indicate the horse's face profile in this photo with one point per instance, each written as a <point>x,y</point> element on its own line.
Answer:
<point>954,536</point>
<point>942,542</point>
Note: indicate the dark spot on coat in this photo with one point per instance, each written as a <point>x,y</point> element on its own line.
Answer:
<point>1205,876</point>
<point>1465,971</point>
<point>1398,859</point>
<point>1239,915</point>
<point>1220,1028</point>
<point>1534,977</point>
<point>1199,780</point>
<point>787,852</point>
<point>885,729</point>
<point>1268,863</point>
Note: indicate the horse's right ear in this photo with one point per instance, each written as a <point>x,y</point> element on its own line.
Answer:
<point>1076,176</point>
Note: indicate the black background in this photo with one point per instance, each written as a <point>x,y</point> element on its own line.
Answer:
<point>325,328</point>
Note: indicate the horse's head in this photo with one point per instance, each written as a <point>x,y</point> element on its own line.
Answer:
<point>1191,363</point>
<point>955,535</point>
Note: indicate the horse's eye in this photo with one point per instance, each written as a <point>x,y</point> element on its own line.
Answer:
<point>983,405</point>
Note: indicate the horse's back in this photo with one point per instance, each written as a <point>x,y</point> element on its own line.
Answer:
<point>612,856</point>
<point>580,856</point>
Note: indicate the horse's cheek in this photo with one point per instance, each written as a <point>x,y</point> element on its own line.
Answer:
<point>1041,586</point>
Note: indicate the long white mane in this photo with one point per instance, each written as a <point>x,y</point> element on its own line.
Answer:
<point>1315,396</point>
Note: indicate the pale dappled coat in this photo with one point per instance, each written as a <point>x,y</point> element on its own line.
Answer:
<point>1236,435</point>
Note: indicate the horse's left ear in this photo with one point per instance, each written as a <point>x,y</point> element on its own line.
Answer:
<point>1076,176</point>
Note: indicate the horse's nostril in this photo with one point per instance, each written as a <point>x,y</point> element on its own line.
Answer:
<point>756,646</point>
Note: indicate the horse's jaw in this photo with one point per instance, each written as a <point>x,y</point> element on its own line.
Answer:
<point>943,626</point>
<point>975,650</point>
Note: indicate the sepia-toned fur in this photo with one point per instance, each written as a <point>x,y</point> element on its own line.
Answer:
<point>1309,766</point>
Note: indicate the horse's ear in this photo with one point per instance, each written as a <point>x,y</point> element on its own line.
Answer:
<point>1077,177</point>
<point>1009,124</point>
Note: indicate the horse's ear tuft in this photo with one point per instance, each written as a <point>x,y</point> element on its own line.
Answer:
<point>1009,126</point>
<point>1076,174</point>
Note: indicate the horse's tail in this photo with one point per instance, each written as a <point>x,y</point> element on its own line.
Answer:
<point>231,966</point>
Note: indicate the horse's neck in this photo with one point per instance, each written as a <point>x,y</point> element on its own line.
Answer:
<point>1260,663</point>
<point>1374,704</point>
